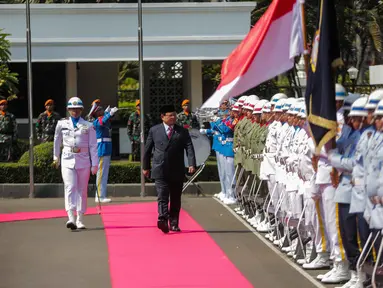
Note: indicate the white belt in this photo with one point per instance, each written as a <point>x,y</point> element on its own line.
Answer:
<point>104,140</point>
<point>357,181</point>
<point>229,139</point>
<point>76,149</point>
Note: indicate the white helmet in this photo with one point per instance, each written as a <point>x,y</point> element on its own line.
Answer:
<point>340,92</point>
<point>250,102</point>
<point>254,97</point>
<point>374,99</point>
<point>75,102</point>
<point>302,113</point>
<point>279,105</point>
<point>288,103</point>
<point>242,100</point>
<point>277,97</point>
<point>235,107</point>
<point>267,108</point>
<point>349,100</point>
<point>379,109</point>
<point>358,108</point>
<point>259,106</point>
<point>298,107</point>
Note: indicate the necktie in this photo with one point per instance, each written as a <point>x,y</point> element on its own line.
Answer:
<point>170,131</point>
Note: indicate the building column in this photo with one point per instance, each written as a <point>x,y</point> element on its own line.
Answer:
<point>195,84</point>
<point>71,80</point>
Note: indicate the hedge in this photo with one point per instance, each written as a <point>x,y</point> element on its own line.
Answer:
<point>120,172</point>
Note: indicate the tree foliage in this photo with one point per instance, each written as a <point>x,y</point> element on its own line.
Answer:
<point>8,80</point>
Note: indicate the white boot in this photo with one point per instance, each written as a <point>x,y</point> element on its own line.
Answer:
<point>360,278</point>
<point>352,282</point>
<point>321,261</point>
<point>79,222</point>
<point>70,224</point>
<point>308,256</point>
<point>341,274</point>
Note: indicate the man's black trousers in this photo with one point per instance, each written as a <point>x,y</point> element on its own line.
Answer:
<point>169,189</point>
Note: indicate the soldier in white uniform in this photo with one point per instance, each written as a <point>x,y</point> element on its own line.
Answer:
<point>79,159</point>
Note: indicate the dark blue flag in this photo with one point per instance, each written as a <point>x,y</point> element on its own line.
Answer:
<point>320,93</point>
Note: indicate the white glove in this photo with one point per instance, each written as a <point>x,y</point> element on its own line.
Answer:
<point>107,109</point>
<point>202,131</point>
<point>113,111</point>
<point>94,170</point>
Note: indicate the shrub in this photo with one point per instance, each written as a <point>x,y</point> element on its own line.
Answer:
<point>42,155</point>
<point>120,172</point>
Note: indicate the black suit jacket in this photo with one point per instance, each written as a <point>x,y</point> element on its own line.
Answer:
<point>168,155</point>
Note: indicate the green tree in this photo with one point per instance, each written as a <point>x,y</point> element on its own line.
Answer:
<point>8,80</point>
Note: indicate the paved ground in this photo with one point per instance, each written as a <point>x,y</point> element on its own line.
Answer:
<point>42,253</point>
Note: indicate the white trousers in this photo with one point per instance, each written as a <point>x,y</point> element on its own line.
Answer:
<point>76,188</point>
<point>220,170</point>
<point>315,225</point>
<point>228,175</point>
<point>328,216</point>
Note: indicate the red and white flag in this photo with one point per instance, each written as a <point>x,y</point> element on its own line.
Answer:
<point>267,51</point>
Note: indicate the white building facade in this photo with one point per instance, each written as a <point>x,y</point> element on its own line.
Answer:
<point>78,48</point>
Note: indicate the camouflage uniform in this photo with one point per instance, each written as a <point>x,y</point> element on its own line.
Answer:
<point>187,121</point>
<point>8,135</point>
<point>46,126</point>
<point>134,130</point>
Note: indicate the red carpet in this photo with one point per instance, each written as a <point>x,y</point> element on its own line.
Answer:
<point>23,216</point>
<point>140,255</point>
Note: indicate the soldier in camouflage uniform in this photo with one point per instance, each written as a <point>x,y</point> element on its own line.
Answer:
<point>187,119</point>
<point>46,122</point>
<point>90,117</point>
<point>8,132</point>
<point>134,130</point>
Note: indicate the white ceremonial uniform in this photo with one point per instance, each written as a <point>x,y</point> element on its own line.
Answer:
<point>374,180</point>
<point>285,152</point>
<point>268,163</point>
<point>307,188</point>
<point>280,172</point>
<point>79,154</point>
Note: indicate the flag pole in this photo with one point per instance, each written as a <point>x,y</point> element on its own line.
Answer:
<point>30,104</point>
<point>304,32</point>
<point>141,91</point>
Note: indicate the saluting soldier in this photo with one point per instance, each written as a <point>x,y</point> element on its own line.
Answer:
<point>46,122</point>
<point>8,132</point>
<point>90,117</point>
<point>187,119</point>
<point>134,130</point>
<point>103,126</point>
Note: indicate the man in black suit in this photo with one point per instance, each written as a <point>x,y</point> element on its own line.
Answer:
<point>168,167</point>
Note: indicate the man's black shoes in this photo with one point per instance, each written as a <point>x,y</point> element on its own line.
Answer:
<point>175,228</point>
<point>163,226</point>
